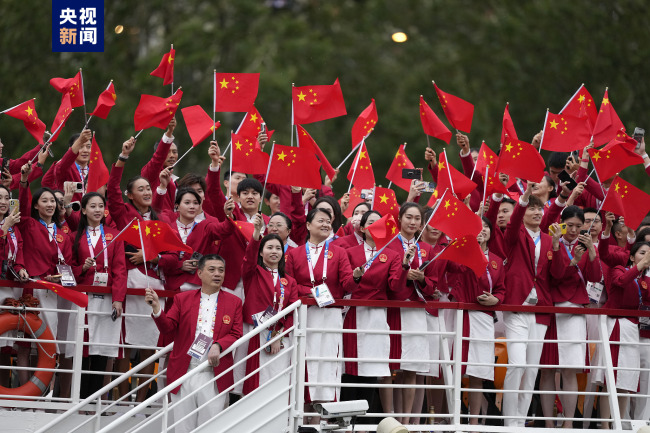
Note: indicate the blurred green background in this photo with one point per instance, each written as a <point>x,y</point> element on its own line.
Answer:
<point>534,54</point>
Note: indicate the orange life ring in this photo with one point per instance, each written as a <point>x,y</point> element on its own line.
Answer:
<point>46,352</point>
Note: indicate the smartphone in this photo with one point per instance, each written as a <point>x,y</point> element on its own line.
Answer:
<point>583,232</point>
<point>412,173</point>
<point>429,186</point>
<point>263,127</point>
<point>366,194</point>
<point>14,205</point>
<point>114,315</point>
<point>78,187</point>
<point>562,229</point>
<point>639,133</point>
<point>5,165</point>
<point>566,177</point>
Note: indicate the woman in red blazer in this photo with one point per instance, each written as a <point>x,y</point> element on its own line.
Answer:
<point>312,265</point>
<point>356,237</point>
<point>266,287</point>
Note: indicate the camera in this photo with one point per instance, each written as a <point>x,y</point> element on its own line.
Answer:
<point>78,187</point>
<point>75,206</point>
<point>412,173</point>
<point>340,413</point>
<point>639,133</point>
<point>366,194</point>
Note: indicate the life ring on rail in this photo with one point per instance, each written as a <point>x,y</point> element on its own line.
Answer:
<point>39,382</point>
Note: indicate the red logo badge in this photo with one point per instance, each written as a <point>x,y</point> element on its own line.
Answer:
<point>330,254</point>
<point>216,243</point>
<point>549,255</point>
<point>59,238</point>
<point>226,319</point>
<point>644,285</point>
<point>494,264</point>
<point>284,281</point>
<point>65,229</point>
<point>109,236</point>
<point>105,212</point>
<point>383,258</point>
<point>423,253</point>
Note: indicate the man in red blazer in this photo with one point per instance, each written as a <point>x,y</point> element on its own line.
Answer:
<point>210,315</point>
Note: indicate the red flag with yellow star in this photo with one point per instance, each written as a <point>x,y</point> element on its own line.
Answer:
<point>466,251</point>
<point>581,104</point>
<point>608,124</point>
<point>316,103</point>
<point>612,159</point>
<point>305,140</point>
<point>364,124</point>
<point>508,128</point>
<point>27,113</point>
<point>97,171</point>
<point>448,176</point>
<point>198,123</point>
<point>400,161</point>
<point>486,158</point>
<point>235,92</point>
<point>294,166</point>
<point>493,185</point>
<point>155,111</point>
<point>565,133</point>
<point>455,219</point>
<point>78,298</point>
<point>245,228</point>
<point>71,86</point>
<point>520,159</point>
<point>361,174</point>
<point>61,117</point>
<point>431,124</point>
<point>355,199</point>
<point>252,124</point>
<point>458,111</point>
<point>105,102</point>
<point>385,202</point>
<point>625,199</point>
<point>383,230</point>
<point>247,157</point>
<point>157,236</point>
<point>165,69</point>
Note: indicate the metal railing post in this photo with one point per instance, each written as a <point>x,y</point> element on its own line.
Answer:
<point>611,381</point>
<point>165,408</point>
<point>78,354</point>
<point>458,372</point>
<point>293,413</point>
<point>301,342</point>
<point>445,355</point>
<point>98,414</point>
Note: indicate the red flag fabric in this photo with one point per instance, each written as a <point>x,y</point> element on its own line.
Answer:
<point>565,133</point>
<point>198,123</point>
<point>364,177</point>
<point>246,229</point>
<point>486,158</point>
<point>97,170</point>
<point>252,125</point>
<point>458,111</point>
<point>165,69</point>
<point>72,86</point>
<point>625,199</point>
<point>157,237</point>
<point>625,140</point>
<point>305,140</point>
<point>27,113</point>
<point>105,102</point>
<point>355,199</point>
<point>462,186</point>
<point>235,92</point>
<point>78,298</point>
<point>612,159</point>
<point>608,124</point>
<point>383,230</point>
<point>455,219</point>
<point>316,103</point>
<point>508,127</point>
<point>493,185</point>
<point>522,160</point>
<point>294,166</point>
<point>400,162</point>
<point>61,117</point>
<point>247,157</point>
<point>431,124</point>
<point>155,111</point>
<point>468,252</point>
<point>364,124</point>
<point>582,104</point>
<point>385,202</point>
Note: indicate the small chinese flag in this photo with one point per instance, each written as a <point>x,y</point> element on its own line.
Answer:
<point>294,166</point>
<point>608,124</point>
<point>493,185</point>
<point>305,140</point>
<point>455,219</point>
<point>245,228</point>
<point>522,160</point>
<point>61,117</point>
<point>400,162</point>
<point>78,298</point>
<point>361,173</point>
<point>355,199</point>
<point>155,111</point>
<point>316,103</point>
<point>97,171</point>
<point>508,128</point>
<point>462,185</point>
<point>581,104</point>
<point>27,113</point>
<point>364,124</point>
<point>252,125</point>
<point>625,199</point>
<point>466,251</point>
<point>383,230</point>
<point>198,123</point>
<point>157,236</point>
<point>235,92</point>
<point>385,202</point>
<point>247,157</point>
<point>565,133</point>
<point>458,111</point>
<point>612,159</point>
<point>486,158</point>
<point>165,69</point>
<point>431,124</point>
<point>105,102</point>
<point>625,140</point>
<point>71,86</point>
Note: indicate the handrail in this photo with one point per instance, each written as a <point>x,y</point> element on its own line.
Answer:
<point>90,289</point>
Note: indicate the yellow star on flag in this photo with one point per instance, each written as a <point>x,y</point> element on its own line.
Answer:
<point>441,165</point>
<point>362,155</point>
<point>254,118</point>
<point>238,144</point>
<point>147,230</point>
<point>581,98</point>
<point>224,84</point>
<point>596,156</point>
<point>617,187</point>
<point>301,96</point>
<point>508,147</point>
<point>553,124</point>
<point>29,111</point>
<point>605,101</point>
<point>281,156</point>
<point>383,198</point>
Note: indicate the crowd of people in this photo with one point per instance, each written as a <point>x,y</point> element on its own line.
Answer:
<point>545,245</point>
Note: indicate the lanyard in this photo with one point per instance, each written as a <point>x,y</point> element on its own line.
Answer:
<point>372,259</point>
<point>487,270</point>
<point>90,245</point>
<point>311,268</point>
<point>83,179</point>
<point>214,316</point>
<point>406,249</point>
<point>58,249</point>
<point>568,251</point>
<point>536,241</point>
<point>286,245</point>
<point>11,256</point>
<point>520,185</point>
<point>281,303</point>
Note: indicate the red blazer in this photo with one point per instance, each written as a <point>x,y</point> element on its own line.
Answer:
<point>65,170</point>
<point>347,242</point>
<point>384,275</point>
<point>151,170</point>
<point>624,292</point>
<point>645,298</point>
<point>339,273</point>
<point>116,263</point>
<point>407,290</point>
<point>571,287</point>
<point>180,321</point>
<point>495,244</point>
<point>7,246</point>
<point>476,196</point>
<point>260,290</point>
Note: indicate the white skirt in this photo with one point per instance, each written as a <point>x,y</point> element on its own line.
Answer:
<point>433,325</point>
<point>481,326</point>
<point>571,327</point>
<point>372,345</point>
<point>9,292</point>
<point>140,331</point>
<point>49,299</point>
<point>628,356</point>
<point>320,344</point>
<point>414,347</point>
<point>101,328</point>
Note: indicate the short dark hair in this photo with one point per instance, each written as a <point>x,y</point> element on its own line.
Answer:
<point>284,217</point>
<point>267,195</point>
<point>557,159</point>
<point>337,218</point>
<point>365,216</point>
<point>37,195</point>
<point>572,211</point>
<point>268,238</point>
<point>249,183</point>
<point>227,173</point>
<point>534,201</point>
<point>192,179</point>
<point>207,257</point>
<point>183,191</point>
<point>636,247</point>
<point>363,203</point>
<point>508,200</point>
<point>640,237</point>
<point>406,206</point>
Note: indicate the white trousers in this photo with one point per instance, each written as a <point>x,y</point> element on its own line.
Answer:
<point>521,326</point>
<point>322,344</point>
<point>641,405</point>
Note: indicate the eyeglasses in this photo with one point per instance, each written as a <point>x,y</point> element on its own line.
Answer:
<point>275,226</point>
<point>595,221</point>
